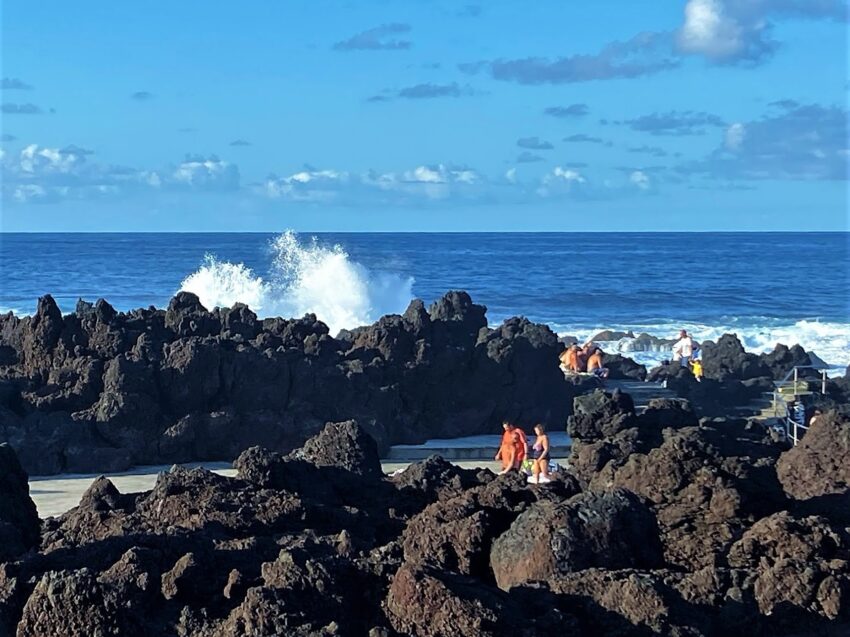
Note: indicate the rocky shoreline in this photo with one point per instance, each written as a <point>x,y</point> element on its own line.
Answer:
<point>685,519</point>
<point>664,525</point>
<point>100,391</point>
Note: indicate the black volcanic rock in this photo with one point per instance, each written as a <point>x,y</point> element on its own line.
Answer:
<point>685,531</point>
<point>601,414</point>
<point>612,530</point>
<point>100,390</point>
<point>623,368</point>
<point>820,464</point>
<point>344,445</point>
<point>19,524</point>
<point>727,359</point>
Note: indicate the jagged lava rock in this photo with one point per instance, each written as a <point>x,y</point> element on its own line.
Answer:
<point>100,390</point>
<point>601,414</point>
<point>610,529</point>
<point>820,464</point>
<point>19,524</point>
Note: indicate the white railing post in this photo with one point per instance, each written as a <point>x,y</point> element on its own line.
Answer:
<point>823,382</point>
<point>795,433</point>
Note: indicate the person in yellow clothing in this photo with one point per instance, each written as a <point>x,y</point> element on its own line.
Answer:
<point>696,369</point>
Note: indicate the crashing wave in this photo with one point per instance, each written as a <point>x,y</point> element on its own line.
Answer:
<point>303,278</point>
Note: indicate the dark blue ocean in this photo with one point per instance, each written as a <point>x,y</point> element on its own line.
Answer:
<point>770,287</point>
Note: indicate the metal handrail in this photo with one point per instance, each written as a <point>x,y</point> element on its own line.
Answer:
<point>795,372</point>
<point>791,425</point>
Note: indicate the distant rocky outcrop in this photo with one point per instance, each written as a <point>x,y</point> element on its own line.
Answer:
<point>733,377</point>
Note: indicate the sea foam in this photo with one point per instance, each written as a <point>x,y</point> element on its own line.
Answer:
<point>303,278</point>
<point>828,340</point>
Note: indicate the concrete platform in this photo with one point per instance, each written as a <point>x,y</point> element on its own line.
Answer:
<point>470,448</point>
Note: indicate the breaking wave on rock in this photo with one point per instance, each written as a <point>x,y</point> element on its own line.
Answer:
<point>304,277</point>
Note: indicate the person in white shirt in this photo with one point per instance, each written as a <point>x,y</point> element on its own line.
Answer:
<point>684,349</point>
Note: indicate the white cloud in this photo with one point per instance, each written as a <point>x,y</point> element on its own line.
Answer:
<point>560,181</point>
<point>306,185</point>
<point>734,136</point>
<point>29,192</point>
<point>640,180</point>
<point>425,175</point>
<point>34,159</point>
<point>567,174</point>
<point>709,31</point>
<point>45,174</point>
<point>206,173</point>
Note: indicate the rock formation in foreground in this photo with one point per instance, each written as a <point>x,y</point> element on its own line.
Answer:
<point>99,390</point>
<point>664,527</point>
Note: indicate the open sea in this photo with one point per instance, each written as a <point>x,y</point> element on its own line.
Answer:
<point>765,287</point>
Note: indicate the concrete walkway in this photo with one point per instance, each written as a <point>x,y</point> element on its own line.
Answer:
<point>54,495</point>
<point>471,448</point>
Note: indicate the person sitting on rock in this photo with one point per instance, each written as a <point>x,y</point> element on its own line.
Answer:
<point>540,457</point>
<point>595,366</point>
<point>569,360</point>
<point>583,355</point>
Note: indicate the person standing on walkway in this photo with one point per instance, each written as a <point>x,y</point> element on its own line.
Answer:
<point>540,462</point>
<point>513,448</point>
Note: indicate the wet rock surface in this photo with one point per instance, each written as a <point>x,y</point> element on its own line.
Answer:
<point>100,390</point>
<point>665,526</point>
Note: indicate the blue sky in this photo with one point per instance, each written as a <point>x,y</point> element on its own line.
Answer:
<point>421,115</point>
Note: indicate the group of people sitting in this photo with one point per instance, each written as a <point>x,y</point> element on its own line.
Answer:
<point>513,452</point>
<point>583,360</point>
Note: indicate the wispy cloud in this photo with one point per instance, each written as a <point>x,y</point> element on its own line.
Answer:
<point>719,31</point>
<point>644,54</point>
<point>6,137</point>
<point>377,38</point>
<point>142,96</point>
<point>804,142</point>
<point>582,138</point>
<point>573,110</point>
<point>534,143</point>
<point>426,91</point>
<point>527,157</point>
<point>9,108</point>
<point>675,123</point>
<point>14,84</point>
<point>655,151</point>
<point>240,142</point>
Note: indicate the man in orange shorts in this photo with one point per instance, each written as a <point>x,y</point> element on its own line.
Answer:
<point>513,448</point>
